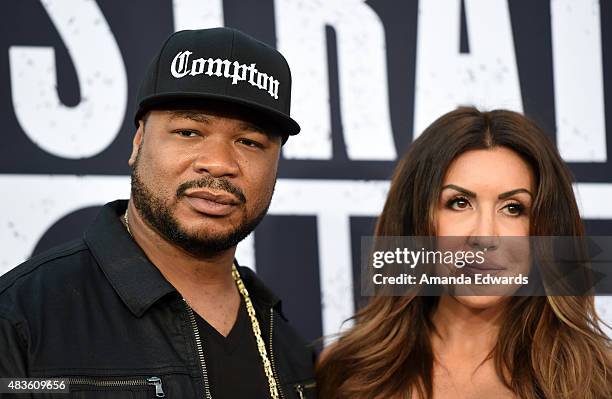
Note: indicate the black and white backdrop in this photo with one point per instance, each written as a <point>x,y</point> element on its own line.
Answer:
<point>368,77</point>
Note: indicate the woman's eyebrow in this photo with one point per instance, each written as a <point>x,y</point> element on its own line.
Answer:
<point>473,194</point>
<point>461,190</point>
<point>515,191</point>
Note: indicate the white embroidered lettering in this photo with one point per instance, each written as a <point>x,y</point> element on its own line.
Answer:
<point>182,66</point>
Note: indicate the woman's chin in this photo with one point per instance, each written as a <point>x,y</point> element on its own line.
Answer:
<point>480,301</point>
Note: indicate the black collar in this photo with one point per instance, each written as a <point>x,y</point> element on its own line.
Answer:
<point>136,280</point>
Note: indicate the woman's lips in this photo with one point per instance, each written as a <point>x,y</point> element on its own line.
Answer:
<point>211,203</point>
<point>482,268</point>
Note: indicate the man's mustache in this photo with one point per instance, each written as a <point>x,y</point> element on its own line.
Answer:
<point>218,184</point>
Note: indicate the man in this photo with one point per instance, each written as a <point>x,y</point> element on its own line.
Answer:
<point>150,302</point>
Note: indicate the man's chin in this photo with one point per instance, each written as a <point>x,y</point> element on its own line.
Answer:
<point>204,235</point>
<point>212,237</point>
<point>209,235</point>
<point>201,246</point>
<point>210,226</point>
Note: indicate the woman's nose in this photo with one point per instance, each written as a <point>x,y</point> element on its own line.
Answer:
<point>484,233</point>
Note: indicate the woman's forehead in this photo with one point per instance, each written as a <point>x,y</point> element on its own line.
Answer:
<point>492,167</point>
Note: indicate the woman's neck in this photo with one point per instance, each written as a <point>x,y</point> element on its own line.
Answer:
<point>462,330</point>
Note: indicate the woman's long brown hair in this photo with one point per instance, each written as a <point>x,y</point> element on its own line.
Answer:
<point>548,347</point>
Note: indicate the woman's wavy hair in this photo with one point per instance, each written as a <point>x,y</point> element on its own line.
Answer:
<point>548,347</point>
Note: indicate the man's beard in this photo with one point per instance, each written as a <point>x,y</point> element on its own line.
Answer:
<point>201,244</point>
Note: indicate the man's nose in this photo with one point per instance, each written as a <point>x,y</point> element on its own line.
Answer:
<point>217,158</point>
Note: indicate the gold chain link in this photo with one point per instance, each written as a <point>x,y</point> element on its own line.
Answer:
<point>261,346</point>
<point>257,332</point>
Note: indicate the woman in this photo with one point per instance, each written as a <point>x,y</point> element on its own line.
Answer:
<point>475,174</point>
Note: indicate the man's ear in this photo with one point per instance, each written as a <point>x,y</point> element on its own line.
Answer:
<point>136,143</point>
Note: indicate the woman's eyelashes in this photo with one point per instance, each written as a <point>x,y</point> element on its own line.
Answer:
<point>460,203</point>
<point>514,209</point>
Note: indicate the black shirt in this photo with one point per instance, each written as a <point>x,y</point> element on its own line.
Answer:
<point>234,365</point>
<point>97,310</point>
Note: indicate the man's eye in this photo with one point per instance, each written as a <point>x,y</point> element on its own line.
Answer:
<point>187,133</point>
<point>250,143</point>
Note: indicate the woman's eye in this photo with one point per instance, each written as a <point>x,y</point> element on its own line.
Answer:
<point>458,203</point>
<point>514,209</point>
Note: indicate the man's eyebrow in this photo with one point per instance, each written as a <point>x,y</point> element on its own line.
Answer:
<point>193,115</point>
<point>203,118</point>
<point>252,127</point>
<point>465,191</point>
<point>515,191</point>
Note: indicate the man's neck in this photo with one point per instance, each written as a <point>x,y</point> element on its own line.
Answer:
<point>206,284</point>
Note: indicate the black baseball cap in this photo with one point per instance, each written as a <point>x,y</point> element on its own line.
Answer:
<point>219,65</point>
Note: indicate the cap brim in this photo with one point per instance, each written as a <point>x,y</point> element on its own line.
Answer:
<point>178,99</point>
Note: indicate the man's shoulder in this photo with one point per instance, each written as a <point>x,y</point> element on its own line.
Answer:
<point>52,264</point>
<point>265,297</point>
<point>259,292</point>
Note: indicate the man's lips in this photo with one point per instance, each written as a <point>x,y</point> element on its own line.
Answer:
<point>211,203</point>
<point>219,197</point>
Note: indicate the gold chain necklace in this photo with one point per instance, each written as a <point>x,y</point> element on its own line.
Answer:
<point>261,346</point>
